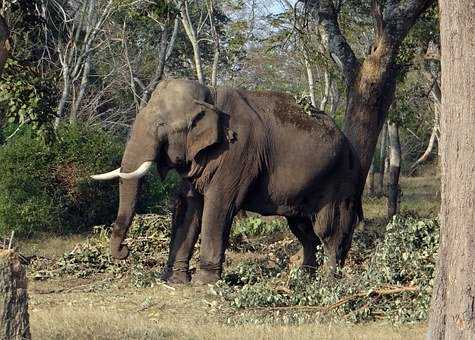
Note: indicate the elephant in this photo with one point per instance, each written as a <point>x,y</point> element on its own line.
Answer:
<point>238,149</point>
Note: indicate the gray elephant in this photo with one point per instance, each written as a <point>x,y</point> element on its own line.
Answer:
<point>236,149</point>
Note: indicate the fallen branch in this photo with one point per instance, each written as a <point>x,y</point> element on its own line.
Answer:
<point>345,300</point>
<point>372,293</point>
<point>68,290</point>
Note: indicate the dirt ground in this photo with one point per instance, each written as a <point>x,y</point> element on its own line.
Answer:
<point>96,308</point>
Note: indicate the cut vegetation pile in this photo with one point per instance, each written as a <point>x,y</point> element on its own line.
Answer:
<point>148,244</point>
<point>388,275</point>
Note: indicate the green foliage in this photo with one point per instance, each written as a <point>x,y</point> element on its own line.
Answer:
<point>255,226</point>
<point>390,279</point>
<point>27,98</point>
<point>47,188</point>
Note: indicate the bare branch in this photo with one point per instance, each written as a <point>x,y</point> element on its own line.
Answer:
<point>326,15</point>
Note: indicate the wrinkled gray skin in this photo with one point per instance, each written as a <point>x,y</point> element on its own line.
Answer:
<point>252,151</point>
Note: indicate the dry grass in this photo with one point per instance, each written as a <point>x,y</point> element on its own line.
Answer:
<point>159,313</point>
<point>49,245</point>
<point>420,195</point>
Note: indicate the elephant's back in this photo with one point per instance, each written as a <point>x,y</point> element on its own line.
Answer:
<point>283,110</point>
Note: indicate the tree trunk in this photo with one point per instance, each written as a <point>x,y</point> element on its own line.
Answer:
<point>214,33</point>
<point>311,82</point>
<point>214,71</point>
<point>453,302</point>
<point>14,307</point>
<point>198,64</point>
<point>394,169</point>
<point>370,180</point>
<point>335,100</point>
<point>382,160</point>
<point>428,151</point>
<point>369,98</point>
<point>82,90</point>
<point>64,96</point>
<point>191,34</point>
<point>326,94</point>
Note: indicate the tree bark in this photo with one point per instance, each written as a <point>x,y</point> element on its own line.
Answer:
<point>452,313</point>
<point>382,160</point>
<point>216,43</point>
<point>82,90</point>
<point>394,169</point>
<point>311,82</point>
<point>14,307</point>
<point>370,180</point>
<point>427,152</point>
<point>326,93</point>
<point>192,37</point>
<point>335,100</point>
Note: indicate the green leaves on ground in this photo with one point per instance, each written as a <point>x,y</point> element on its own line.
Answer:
<point>388,276</point>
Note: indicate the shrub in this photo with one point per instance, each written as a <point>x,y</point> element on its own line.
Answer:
<point>27,97</point>
<point>46,187</point>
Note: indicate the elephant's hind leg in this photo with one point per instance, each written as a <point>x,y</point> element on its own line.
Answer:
<point>302,229</point>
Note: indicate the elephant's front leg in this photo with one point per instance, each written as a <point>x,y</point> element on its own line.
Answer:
<point>218,213</point>
<point>186,225</point>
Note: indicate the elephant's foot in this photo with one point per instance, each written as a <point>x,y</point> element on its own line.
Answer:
<point>207,276</point>
<point>166,273</point>
<point>172,276</point>
<point>308,270</point>
<point>334,273</point>
<point>179,277</point>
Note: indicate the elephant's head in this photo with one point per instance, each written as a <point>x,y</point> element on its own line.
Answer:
<point>178,123</point>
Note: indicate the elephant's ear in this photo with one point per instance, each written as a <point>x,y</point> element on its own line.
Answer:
<point>203,131</point>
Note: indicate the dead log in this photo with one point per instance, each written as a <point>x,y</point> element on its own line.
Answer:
<point>14,307</point>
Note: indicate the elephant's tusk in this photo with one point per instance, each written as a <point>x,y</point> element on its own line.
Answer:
<point>107,175</point>
<point>140,172</point>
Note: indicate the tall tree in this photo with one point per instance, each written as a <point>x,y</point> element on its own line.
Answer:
<point>370,82</point>
<point>453,303</point>
<point>394,168</point>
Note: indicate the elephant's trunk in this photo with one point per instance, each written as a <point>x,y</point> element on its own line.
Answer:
<point>141,149</point>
